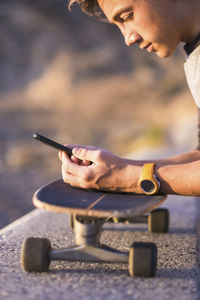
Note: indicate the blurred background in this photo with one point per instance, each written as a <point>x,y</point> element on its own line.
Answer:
<point>70,77</point>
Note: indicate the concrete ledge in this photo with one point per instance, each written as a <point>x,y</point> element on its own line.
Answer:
<point>177,276</point>
<point>13,227</point>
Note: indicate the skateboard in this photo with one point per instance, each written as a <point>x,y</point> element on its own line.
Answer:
<point>89,210</point>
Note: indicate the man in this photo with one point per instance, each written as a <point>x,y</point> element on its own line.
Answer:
<point>157,26</point>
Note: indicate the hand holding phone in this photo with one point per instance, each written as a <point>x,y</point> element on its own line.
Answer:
<point>56,145</point>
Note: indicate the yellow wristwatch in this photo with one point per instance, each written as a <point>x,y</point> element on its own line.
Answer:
<point>148,182</point>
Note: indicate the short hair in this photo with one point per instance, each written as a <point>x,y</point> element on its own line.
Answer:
<point>90,7</point>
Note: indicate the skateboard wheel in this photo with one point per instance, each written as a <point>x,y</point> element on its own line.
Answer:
<point>142,259</point>
<point>158,220</point>
<point>35,254</point>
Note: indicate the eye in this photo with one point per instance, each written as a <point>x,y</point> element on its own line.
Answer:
<point>127,17</point>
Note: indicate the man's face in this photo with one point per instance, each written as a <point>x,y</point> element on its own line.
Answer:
<point>153,24</point>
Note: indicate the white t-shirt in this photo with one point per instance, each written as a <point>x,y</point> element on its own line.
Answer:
<point>192,72</point>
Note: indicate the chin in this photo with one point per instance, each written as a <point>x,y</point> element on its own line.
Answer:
<point>164,53</point>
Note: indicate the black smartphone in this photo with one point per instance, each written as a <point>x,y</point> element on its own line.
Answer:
<point>51,143</point>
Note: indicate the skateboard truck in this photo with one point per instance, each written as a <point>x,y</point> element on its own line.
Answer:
<point>37,253</point>
<point>88,249</point>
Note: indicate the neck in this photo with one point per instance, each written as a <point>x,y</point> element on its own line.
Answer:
<point>191,19</point>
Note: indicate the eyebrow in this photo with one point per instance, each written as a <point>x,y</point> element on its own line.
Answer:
<point>118,12</point>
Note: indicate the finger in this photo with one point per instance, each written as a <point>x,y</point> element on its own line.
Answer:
<point>84,154</point>
<point>75,160</point>
<point>60,155</point>
<point>85,163</point>
<point>72,157</point>
<point>69,166</point>
<point>65,158</point>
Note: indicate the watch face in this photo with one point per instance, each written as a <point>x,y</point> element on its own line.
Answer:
<point>148,186</point>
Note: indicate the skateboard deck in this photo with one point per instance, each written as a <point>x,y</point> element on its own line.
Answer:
<point>61,197</point>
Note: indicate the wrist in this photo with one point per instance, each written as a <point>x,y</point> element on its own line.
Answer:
<point>132,177</point>
<point>165,173</point>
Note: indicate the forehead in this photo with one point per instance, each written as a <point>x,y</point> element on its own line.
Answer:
<point>112,7</point>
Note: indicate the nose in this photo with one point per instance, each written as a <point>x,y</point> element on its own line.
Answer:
<point>131,38</point>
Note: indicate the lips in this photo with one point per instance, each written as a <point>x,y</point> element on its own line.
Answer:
<point>149,47</point>
<point>146,46</point>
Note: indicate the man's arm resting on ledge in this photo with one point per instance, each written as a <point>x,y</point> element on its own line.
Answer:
<point>179,174</point>
<point>182,179</point>
<point>182,158</point>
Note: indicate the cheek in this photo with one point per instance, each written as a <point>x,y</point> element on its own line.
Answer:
<point>147,29</point>
<point>152,25</point>
<point>150,34</point>
<point>161,37</point>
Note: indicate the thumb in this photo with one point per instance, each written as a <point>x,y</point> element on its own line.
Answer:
<point>85,154</point>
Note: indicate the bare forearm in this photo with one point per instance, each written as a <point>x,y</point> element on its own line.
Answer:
<point>182,158</point>
<point>179,174</point>
<point>181,179</point>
